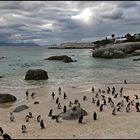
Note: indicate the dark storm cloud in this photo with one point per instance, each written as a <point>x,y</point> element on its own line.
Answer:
<point>60,21</point>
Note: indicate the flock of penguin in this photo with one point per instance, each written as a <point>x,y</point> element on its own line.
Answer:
<point>99,99</point>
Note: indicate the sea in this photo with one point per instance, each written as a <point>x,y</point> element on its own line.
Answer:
<point>85,72</point>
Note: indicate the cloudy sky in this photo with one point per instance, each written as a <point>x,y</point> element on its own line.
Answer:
<point>49,22</point>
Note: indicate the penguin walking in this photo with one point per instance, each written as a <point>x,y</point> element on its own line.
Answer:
<point>53,95</point>
<point>57,100</point>
<point>108,90</point>
<point>1,131</point>
<point>115,96</point>
<point>59,106</point>
<point>80,119</point>
<point>42,124</point>
<point>95,116</point>
<point>98,103</point>
<point>76,101</point>
<point>27,94</point>
<point>12,117</point>
<point>30,115</point>
<point>27,118</point>
<point>114,111</point>
<point>104,101</point>
<point>121,90</point>
<point>70,104</point>
<point>38,118</point>
<point>136,96</point>
<point>65,96</point>
<point>84,98</point>
<point>23,128</point>
<point>101,108</point>
<point>96,95</point>
<point>64,109</point>
<point>59,91</point>
<point>125,82</point>
<point>6,136</point>
<point>33,95</point>
<point>92,89</point>
<point>50,113</point>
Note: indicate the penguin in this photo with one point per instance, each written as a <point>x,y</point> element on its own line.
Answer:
<point>57,100</point>
<point>54,117</point>
<point>125,82</point>
<point>65,96</point>
<point>136,96</point>
<point>127,108</point>
<point>64,109</point>
<point>27,118</point>
<point>98,103</point>
<point>99,90</point>
<point>23,128</point>
<point>108,90</point>
<point>132,102</point>
<point>80,119</point>
<point>42,124</point>
<point>59,91</point>
<point>104,101</point>
<point>137,106</point>
<point>6,136</point>
<point>96,95</point>
<point>113,88</point>
<point>50,113</point>
<point>59,106</point>
<point>114,111</point>
<point>76,101</point>
<point>112,103</point>
<point>70,104</point>
<point>122,103</point>
<point>95,116</point>
<point>38,118</point>
<point>27,94</point>
<point>1,131</point>
<point>93,100</point>
<point>74,108</point>
<point>101,108</point>
<point>115,96</point>
<point>121,90</point>
<point>84,98</point>
<point>92,89</point>
<point>12,117</point>
<point>57,118</point>
<point>127,98</point>
<point>103,97</point>
<point>103,91</point>
<point>33,95</point>
<point>113,92</point>
<point>30,115</point>
<point>109,99</point>
<point>53,95</point>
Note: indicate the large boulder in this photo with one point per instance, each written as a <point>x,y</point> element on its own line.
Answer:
<point>73,115</point>
<point>7,98</point>
<point>63,58</point>
<point>36,74</point>
<point>118,50</point>
<point>20,108</point>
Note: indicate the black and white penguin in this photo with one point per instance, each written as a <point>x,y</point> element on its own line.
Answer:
<point>96,95</point>
<point>136,96</point>
<point>38,118</point>
<point>12,117</point>
<point>33,95</point>
<point>92,89</point>
<point>115,96</point>
<point>53,95</point>
<point>95,116</point>
<point>57,100</point>
<point>23,128</point>
<point>84,98</point>
<point>42,124</point>
<point>93,100</point>
<point>114,111</point>
<point>6,136</point>
<point>27,118</point>
<point>1,131</point>
<point>50,113</point>
<point>59,106</point>
<point>70,104</point>
<point>101,108</point>
<point>64,109</point>
<point>98,103</point>
<point>80,119</point>
<point>59,91</point>
<point>30,114</point>
<point>65,96</point>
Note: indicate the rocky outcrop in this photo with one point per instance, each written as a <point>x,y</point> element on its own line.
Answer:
<point>73,115</point>
<point>1,76</point>
<point>7,98</point>
<point>63,58</point>
<point>137,59</point>
<point>20,108</point>
<point>36,74</point>
<point>118,50</point>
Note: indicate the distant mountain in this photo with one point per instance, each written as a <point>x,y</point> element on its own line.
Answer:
<point>2,43</point>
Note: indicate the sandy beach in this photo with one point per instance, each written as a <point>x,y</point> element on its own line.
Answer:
<point>123,125</point>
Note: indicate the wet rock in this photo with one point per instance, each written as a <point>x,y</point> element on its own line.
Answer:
<point>7,98</point>
<point>20,108</point>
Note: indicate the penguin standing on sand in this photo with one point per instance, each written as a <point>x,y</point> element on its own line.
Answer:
<point>98,103</point>
<point>38,118</point>
<point>65,96</point>
<point>6,136</point>
<point>70,104</point>
<point>111,103</point>
<point>57,100</point>
<point>93,100</point>
<point>96,95</point>
<point>12,117</point>
<point>59,91</point>
<point>92,89</point>
<point>125,82</point>
<point>64,109</point>
<point>33,95</point>
<point>115,96</point>
<point>1,131</point>
<point>114,111</point>
<point>95,116</point>
<point>27,118</point>
<point>27,94</point>
<point>108,90</point>
<point>50,113</point>
<point>136,96</point>
<point>59,106</point>
<point>84,98</point>
<point>23,128</point>
<point>101,108</point>
<point>80,119</point>
<point>30,115</point>
<point>53,95</point>
<point>121,90</point>
<point>104,101</point>
<point>42,124</point>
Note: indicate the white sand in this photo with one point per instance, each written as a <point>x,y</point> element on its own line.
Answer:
<point>123,125</point>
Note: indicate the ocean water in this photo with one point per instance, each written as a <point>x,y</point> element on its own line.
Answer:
<point>87,71</point>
